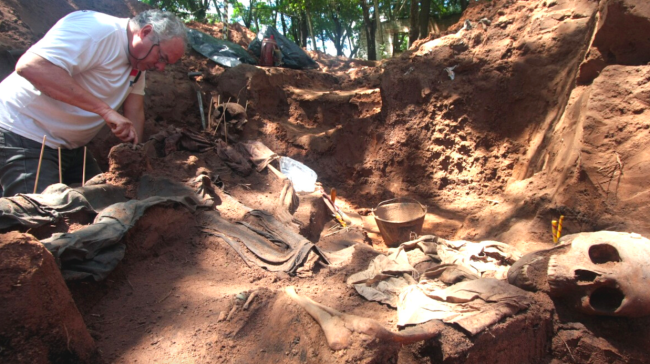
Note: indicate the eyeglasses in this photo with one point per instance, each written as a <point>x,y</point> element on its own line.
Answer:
<point>161,58</point>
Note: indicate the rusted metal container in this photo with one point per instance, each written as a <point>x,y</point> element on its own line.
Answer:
<point>399,220</point>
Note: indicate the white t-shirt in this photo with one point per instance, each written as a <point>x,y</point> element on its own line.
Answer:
<point>92,47</point>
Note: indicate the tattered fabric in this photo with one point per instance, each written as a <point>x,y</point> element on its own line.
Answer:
<point>262,240</point>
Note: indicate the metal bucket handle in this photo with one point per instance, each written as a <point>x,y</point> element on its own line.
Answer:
<point>397,199</point>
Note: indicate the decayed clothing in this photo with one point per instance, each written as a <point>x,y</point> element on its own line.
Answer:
<point>436,279</point>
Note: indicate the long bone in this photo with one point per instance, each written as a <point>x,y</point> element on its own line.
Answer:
<point>340,327</point>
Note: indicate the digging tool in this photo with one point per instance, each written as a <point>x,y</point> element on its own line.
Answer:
<point>192,76</point>
<point>329,202</point>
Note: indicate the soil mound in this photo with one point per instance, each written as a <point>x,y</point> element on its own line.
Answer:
<point>39,321</point>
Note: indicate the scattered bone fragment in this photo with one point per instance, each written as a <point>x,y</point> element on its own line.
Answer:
<point>249,300</point>
<point>232,312</point>
<point>222,316</point>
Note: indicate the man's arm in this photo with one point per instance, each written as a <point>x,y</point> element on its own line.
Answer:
<point>56,83</point>
<point>134,111</point>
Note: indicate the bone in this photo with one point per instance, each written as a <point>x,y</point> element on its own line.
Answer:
<point>339,328</point>
<point>598,273</point>
<point>530,272</point>
<point>249,300</point>
<point>222,316</point>
<point>232,312</point>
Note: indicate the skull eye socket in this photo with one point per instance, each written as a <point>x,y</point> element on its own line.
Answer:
<point>603,253</point>
<point>606,299</point>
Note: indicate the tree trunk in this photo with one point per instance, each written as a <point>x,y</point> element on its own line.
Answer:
<point>295,30</point>
<point>304,29</point>
<point>248,17</point>
<point>339,47</point>
<point>311,27</point>
<point>216,8</point>
<point>224,19</point>
<point>380,34</point>
<point>397,43</point>
<point>322,39</point>
<point>369,27</point>
<point>338,36</point>
<point>414,31</point>
<point>353,48</point>
<point>284,26</point>
<point>424,18</point>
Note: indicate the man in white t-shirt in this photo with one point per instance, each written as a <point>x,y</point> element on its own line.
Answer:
<point>71,82</point>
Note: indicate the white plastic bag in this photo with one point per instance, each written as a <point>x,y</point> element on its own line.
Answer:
<point>302,177</point>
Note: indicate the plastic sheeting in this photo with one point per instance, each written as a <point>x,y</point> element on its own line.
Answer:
<point>292,55</point>
<point>223,52</point>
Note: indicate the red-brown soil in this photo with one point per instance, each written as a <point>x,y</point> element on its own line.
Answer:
<point>547,115</point>
<point>39,321</point>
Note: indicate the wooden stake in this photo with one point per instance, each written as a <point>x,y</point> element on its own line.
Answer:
<point>225,123</point>
<point>210,112</point>
<point>246,107</point>
<point>225,129</point>
<point>60,174</point>
<point>83,174</point>
<point>40,160</point>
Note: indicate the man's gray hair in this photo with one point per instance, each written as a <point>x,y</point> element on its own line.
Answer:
<point>165,24</point>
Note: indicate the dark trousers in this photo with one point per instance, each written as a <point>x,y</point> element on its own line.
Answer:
<point>19,161</point>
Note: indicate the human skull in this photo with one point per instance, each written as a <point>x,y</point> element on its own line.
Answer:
<point>231,113</point>
<point>603,273</point>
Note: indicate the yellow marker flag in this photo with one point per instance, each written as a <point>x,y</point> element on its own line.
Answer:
<point>559,228</point>
<point>554,224</point>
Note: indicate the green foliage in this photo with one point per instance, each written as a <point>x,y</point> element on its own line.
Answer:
<point>338,22</point>
<point>446,8</point>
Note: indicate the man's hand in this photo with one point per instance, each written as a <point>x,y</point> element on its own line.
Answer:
<point>120,126</point>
